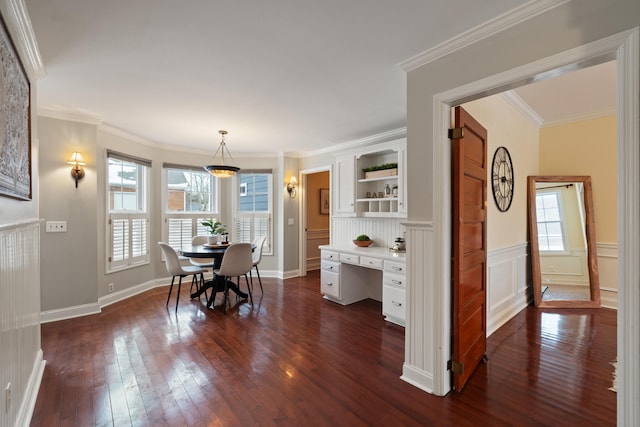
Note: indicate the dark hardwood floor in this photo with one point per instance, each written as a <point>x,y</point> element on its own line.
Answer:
<point>296,359</point>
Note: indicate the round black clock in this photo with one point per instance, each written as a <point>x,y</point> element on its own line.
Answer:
<point>502,179</point>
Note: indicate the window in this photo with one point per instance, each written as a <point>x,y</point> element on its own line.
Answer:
<point>191,197</point>
<point>128,216</point>
<point>549,218</point>
<point>253,216</point>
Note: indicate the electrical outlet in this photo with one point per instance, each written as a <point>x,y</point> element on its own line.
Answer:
<point>7,397</point>
<point>110,287</point>
<point>56,227</point>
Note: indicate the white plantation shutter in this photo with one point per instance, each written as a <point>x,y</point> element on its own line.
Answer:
<point>181,228</point>
<point>248,227</point>
<point>242,230</point>
<point>129,240</point>
<point>179,232</point>
<point>120,242</point>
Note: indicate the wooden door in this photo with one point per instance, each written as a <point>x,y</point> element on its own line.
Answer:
<point>469,202</point>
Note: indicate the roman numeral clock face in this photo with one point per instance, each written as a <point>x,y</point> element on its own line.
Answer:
<point>502,180</point>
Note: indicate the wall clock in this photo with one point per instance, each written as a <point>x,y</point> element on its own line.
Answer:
<point>502,179</point>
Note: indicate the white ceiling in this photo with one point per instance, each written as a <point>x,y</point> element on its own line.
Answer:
<point>283,75</point>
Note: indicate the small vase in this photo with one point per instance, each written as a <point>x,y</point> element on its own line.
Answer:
<point>212,239</point>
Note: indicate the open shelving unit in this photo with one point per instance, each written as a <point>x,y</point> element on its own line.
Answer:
<point>386,189</point>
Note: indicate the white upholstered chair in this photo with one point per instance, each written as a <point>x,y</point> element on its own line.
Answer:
<point>236,262</point>
<point>257,257</point>
<point>201,262</point>
<point>175,269</point>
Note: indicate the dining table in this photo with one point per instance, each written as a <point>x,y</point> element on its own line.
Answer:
<point>215,252</point>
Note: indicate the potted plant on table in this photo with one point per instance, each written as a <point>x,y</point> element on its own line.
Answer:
<point>362,241</point>
<point>215,229</point>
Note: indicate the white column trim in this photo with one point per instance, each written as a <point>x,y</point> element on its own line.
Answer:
<point>628,129</point>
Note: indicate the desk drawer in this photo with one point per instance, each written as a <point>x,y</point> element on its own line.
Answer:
<point>330,284</point>
<point>395,267</point>
<point>327,265</point>
<point>393,302</point>
<point>394,280</point>
<point>350,258</point>
<point>371,262</point>
<point>330,255</point>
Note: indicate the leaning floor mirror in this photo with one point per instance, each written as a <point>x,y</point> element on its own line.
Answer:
<point>562,239</point>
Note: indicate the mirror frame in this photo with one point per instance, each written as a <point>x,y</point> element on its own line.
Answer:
<point>592,257</point>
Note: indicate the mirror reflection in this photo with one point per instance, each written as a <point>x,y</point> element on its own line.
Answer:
<point>562,236</point>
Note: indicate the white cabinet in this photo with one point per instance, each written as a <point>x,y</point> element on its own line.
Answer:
<point>344,185</point>
<point>330,278</point>
<point>382,193</point>
<point>350,275</point>
<point>394,292</point>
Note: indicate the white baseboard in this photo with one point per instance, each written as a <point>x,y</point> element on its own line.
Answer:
<point>69,312</point>
<point>25,413</point>
<point>134,290</point>
<point>417,378</point>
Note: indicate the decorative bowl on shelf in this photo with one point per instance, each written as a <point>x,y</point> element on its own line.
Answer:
<point>363,243</point>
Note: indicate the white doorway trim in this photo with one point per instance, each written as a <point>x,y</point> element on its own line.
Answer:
<point>624,48</point>
<point>302,262</point>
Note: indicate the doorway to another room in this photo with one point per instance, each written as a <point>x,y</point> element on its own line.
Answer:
<point>316,218</point>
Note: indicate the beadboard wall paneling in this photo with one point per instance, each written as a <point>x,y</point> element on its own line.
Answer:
<point>383,231</point>
<point>20,352</point>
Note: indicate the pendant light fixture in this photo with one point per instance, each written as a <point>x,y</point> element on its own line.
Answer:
<point>221,170</point>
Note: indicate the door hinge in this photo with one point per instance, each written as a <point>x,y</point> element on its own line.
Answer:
<point>455,367</point>
<point>456,133</point>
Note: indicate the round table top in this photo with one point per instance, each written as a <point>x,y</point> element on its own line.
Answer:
<point>203,251</point>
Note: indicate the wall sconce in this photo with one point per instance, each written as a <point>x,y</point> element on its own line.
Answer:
<point>291,187</point>
<point>77,171</point>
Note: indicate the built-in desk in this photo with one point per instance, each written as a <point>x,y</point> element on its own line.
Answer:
<point>349,274</point>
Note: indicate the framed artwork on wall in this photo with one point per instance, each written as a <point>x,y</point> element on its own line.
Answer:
<point>325,207</point>
<point>15,122</point>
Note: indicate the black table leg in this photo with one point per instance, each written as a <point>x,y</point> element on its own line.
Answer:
<point>217,285</point>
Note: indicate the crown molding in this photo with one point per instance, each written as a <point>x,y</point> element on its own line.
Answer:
<point>29,47</point>
<point>357,143</point>
<point>60,114</point>
<point>482,31</point>
<point>580,117</point>
<point>520,104</point>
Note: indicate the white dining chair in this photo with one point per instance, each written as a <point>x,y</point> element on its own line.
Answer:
<point>236,262</point>
<point>175,269</point>
<point>201,262</point>
<point>257,257</point>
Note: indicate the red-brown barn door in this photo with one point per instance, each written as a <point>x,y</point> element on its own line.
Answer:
<point>469,246</point>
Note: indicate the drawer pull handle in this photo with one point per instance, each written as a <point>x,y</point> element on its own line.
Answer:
<point>329,284</point>
<point>331,267</point>
<point>397,282</point>
<point>371,262</point>
<point>396,303</point>
<point>397,268</point>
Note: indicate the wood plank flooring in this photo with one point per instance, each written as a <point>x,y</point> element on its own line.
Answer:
<point>294,358</point>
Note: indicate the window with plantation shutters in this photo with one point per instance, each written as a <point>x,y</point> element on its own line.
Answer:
<point>253,217</point>
<point>128,216</point>
<point>190,198</point>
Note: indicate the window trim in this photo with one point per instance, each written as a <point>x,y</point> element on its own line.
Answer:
<point>130,215</point>
<point>237,214</point>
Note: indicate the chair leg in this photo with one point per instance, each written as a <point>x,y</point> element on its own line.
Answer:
<point>178,297</point>
<point>248,287</point>
<point>259,279</point>
<point>170,289</point>
<point>226,292</point>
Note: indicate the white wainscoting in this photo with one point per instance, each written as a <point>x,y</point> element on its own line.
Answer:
<point>22,365</point>
<point>608,272</point>
<point>507,288</point>
<point>315,238</point>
